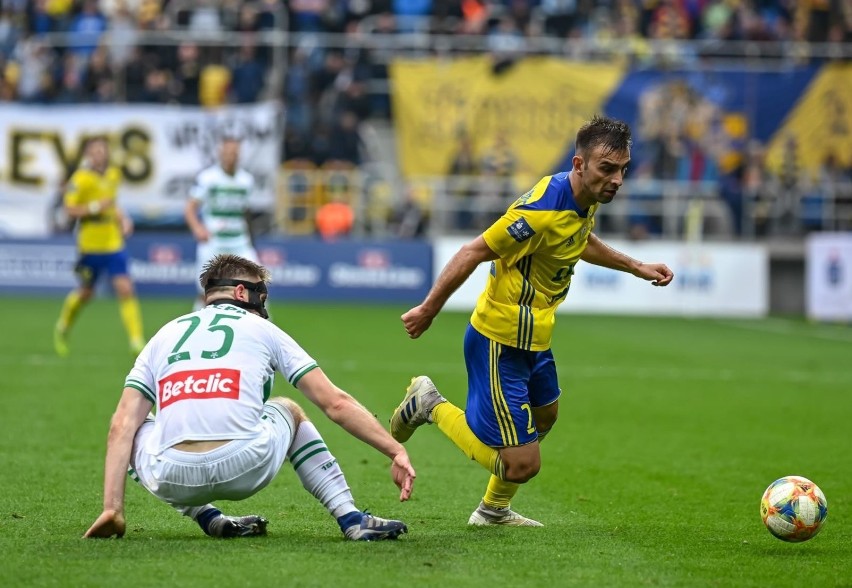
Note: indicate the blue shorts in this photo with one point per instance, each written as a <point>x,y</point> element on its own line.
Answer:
<point>504,384</point>
<point>91,266</point>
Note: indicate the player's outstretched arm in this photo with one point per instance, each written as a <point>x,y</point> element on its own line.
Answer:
<point>454,274</point>
<point>129,416</point>
<point>599,253</point>
<point>356,420</point>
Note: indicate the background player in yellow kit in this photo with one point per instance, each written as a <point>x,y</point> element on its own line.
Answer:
<point>513,392</point>
<point>101,228</point>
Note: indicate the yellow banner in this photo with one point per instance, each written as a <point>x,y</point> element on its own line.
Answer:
<point>819,127</point>
<point>530,112</point>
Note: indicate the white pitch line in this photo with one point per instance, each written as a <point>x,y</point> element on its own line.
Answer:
<point>787,327</point>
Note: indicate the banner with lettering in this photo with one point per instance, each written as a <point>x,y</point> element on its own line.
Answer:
<point>521,118</point>
<point>158,148</point>
<point>704,122</point>
<point>817,134</point>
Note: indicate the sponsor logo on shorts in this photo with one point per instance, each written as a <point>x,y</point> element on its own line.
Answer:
<point>199,384</point>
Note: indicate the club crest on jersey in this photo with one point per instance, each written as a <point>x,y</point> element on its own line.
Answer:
<point>523,199</point>
<point>199,384</point>
<point>520,230</point>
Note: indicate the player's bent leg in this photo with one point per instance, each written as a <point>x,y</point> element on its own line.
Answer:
<point>322,476</point>
<point>423,404</point>
<point>521,463</point>
<point>209,518</point>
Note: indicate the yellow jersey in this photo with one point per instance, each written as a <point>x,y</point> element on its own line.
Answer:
<point>97,233</point>
<point>539,240</point>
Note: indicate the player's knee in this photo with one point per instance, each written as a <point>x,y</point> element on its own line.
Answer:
<point>522,472</point>
<point>85,294</point>
<point>293,408</point>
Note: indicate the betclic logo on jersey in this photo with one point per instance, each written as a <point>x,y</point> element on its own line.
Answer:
<point>199,384</point>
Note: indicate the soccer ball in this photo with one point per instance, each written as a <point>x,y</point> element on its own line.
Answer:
<point>793,508</point>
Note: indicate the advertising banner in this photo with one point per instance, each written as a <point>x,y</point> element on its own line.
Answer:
<point>710,280</point>
<point>159,149</point>
<point>524,116</point>
<point>302,269</point>
<point>828,271</point>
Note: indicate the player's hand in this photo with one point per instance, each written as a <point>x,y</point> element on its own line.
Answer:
<point>201,234</point>
<point>403,475</point>
<point>657,273</point>
<point>126,226</point>
<point>417,320</point>
<point>110,523</point>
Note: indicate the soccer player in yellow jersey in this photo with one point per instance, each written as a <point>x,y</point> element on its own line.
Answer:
<point>513,392</point>
<point>101,228</point>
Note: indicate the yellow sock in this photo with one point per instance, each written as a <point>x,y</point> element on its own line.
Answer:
<point>131,316</point>
<point>70,309</point>
<point>450,419</point>
<point>499,493</point>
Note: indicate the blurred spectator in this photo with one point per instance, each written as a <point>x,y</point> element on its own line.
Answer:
<point>188,74</point>
<point>462,181</point>
<point>346,144</point>
<point>86,29</point>
<point>411,14</point>
<point>506,44</point>
<point>213,84</point>
<point>135,74</point>
<point>298,91</point>
<point>123,33</point>
<point>247,76</point>
<point>70,89</point>
<point>296,145</point>
<point>205,17</point>
<point>354,99</point>
<point>408,219</point>
<point>9,34</point>
<point>97,72</point>
<point>34,60</point>
<point>156,88</point>
<point>559,16</point>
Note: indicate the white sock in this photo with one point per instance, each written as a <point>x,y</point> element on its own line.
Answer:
<point>319,471</point>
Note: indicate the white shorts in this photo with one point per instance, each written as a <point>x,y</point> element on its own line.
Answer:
<point>206,251</point>
<point>233,471</point>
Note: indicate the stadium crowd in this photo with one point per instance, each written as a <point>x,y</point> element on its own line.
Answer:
<point>108,51</point>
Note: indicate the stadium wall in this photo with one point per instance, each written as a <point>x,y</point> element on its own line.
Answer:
<point>747,280</point>
<point>302,269</point>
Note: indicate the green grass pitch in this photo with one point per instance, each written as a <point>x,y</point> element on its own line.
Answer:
<point>670,430</point>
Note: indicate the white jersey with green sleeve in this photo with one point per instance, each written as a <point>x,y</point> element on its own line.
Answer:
<point>210,372</point>
<point>224,199</point>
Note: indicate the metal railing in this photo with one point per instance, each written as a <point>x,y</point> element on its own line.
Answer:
<point>643,208</point>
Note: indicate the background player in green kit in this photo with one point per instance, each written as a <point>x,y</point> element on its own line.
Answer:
<point>513,392</point>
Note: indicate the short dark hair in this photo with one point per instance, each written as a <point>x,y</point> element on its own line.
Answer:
<point>602,130</point>
<point>231,267</point>
<point>97,139</point>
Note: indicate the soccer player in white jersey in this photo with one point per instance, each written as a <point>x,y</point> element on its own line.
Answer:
<point>217,435</point>
<point>217,211</point>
